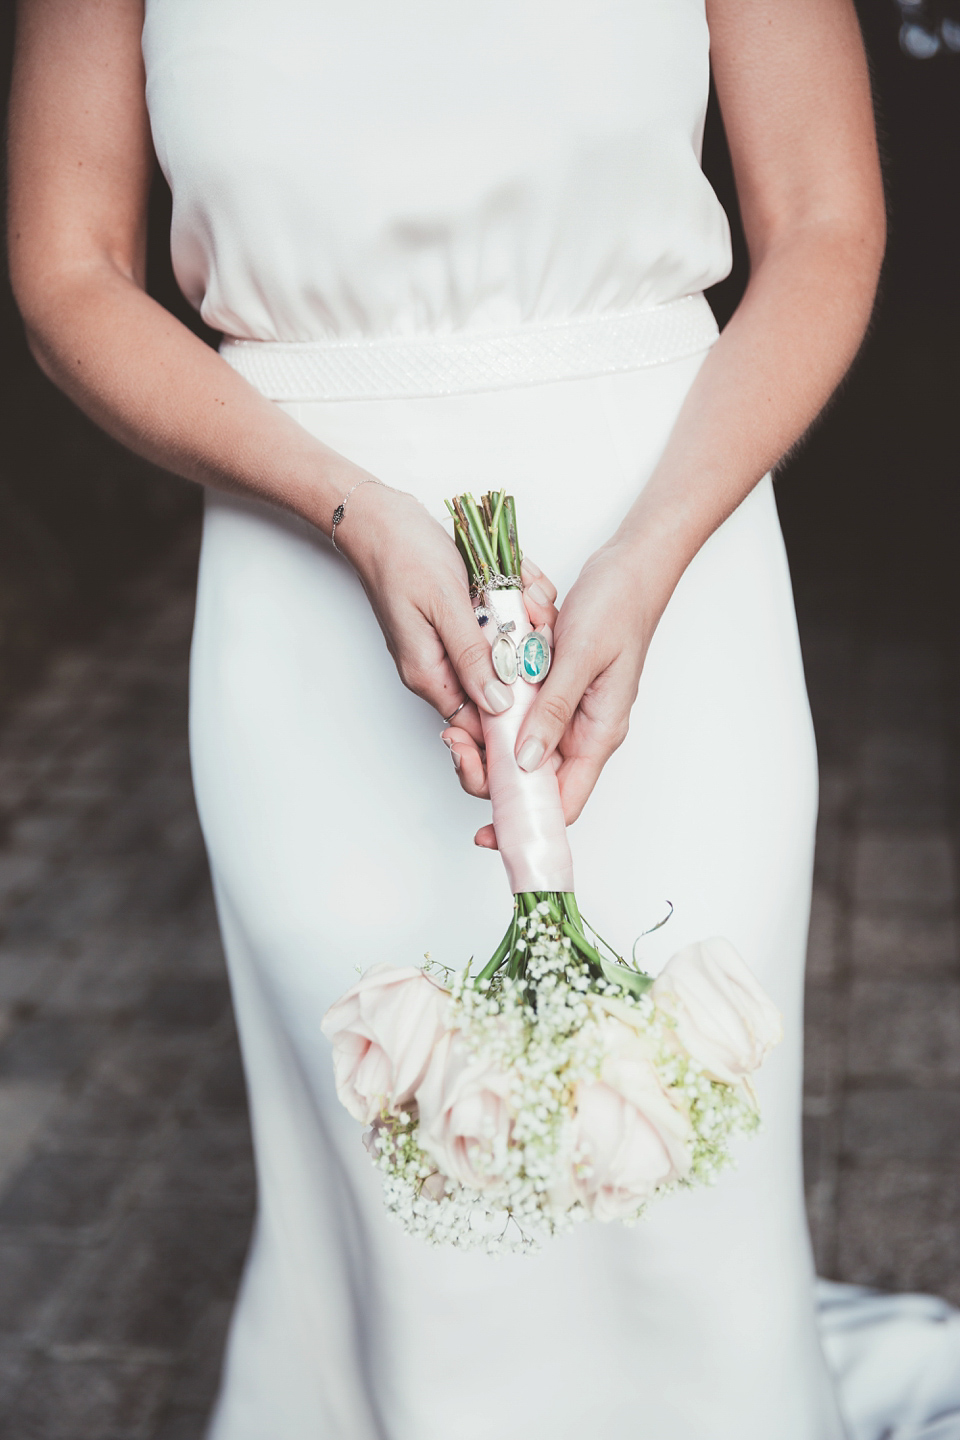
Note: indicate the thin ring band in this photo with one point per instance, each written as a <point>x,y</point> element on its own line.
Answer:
<point>456,712</point>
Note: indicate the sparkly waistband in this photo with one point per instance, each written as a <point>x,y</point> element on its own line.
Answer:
<point>421,366</point>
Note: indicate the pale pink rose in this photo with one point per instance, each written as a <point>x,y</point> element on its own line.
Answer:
<point>718,1009</point>
<point>465,1122</point>
<point>383,1032</point>
<point>628,1136</point>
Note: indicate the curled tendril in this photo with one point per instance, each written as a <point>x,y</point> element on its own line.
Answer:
<point>644,933</point>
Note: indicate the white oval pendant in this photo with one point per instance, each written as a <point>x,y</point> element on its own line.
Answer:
<point>504,655</point>
<point>534,658</point>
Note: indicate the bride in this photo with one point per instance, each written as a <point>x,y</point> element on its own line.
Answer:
<point>456,246</point>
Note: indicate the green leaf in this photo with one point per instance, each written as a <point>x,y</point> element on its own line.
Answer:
<point>628,980</point>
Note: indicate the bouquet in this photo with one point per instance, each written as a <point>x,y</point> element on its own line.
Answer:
<point>559,1082</point>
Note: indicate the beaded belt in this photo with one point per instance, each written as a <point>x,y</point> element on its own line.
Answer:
<point>425,365</point>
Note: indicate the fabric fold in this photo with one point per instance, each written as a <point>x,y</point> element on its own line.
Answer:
<point>895,1360</point>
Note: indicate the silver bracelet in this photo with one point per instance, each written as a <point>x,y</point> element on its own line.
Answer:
<point>338,514</point>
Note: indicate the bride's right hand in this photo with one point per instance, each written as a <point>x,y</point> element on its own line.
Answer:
<point>417,585</point>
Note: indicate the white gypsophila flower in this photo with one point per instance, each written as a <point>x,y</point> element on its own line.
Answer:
<point>531,1044</point>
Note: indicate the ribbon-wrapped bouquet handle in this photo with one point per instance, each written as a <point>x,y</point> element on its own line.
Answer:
<point>527,812</point>
<point>559,1082</point>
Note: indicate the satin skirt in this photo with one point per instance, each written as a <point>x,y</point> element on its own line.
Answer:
<point>338,837</point>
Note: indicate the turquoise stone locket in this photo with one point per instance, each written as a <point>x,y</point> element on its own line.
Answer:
<point>533,657</point>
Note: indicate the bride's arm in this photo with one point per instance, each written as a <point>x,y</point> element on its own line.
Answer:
<point>81,161</point>
<point>793,87</point>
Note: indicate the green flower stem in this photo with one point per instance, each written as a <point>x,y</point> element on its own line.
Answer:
<point>501,952</point>
<point>469,559</point>
<point>578,941</point>
<point>477,563</point>
<point>556,909</point>
<point>569,902</point>
<point>478,535</point>
<point>497,512</point>
<point>516,553</point>
<point>503,546</point>
<point>460,537</point>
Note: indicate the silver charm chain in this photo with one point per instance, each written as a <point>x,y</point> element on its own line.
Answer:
<point>496,582</point>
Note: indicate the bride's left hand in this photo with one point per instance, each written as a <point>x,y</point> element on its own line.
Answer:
<point>582,713</point>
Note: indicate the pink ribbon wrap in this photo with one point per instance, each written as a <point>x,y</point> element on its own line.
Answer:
<point>527,813</point>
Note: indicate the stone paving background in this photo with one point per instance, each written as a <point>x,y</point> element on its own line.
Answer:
<point>882,1091</point>
<point>126,1187</point>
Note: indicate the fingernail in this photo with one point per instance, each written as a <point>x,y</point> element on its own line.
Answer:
<point>456,761</point>
<point>531,753</point>
<point>534,570</point>
<point>498,697</point>
<point>448,742</point>
<point>537,595</point>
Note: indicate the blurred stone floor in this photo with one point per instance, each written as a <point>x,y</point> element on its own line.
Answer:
<point>126,1186</point>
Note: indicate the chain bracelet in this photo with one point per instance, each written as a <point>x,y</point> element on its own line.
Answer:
<point>340,511</point>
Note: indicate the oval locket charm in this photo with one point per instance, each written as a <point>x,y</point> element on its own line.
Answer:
<point>533,655</point>
<point>504,656</point>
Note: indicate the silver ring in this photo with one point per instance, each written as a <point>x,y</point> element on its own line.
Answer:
<point>456,712</point>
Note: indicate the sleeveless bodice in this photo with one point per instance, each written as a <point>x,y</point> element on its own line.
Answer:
<point>345,169</point>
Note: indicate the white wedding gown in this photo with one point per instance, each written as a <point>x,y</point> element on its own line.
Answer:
<point>465,246</point>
